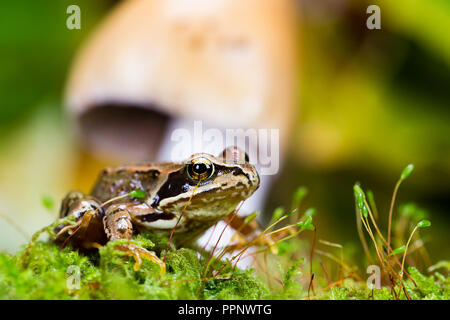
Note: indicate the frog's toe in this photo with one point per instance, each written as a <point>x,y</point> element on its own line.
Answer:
<point>138,253</point>
<point>92,245</point>
<point>69,229</point>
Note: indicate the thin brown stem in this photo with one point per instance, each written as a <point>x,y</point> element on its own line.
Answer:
<point>311,274</point>
<point>209,239</point>
<point>325,272</point>
<point>404,256</point>
<point>179,218</point>
<point>341,249</point>
<point>385,242</point>
<point>337,260</point>
<point>220,237</point>
<point>362,238</point>
<point>380,256</point>
<point>15,226</point>
<point>391,210</point>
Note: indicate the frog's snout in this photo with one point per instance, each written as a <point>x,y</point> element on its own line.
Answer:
<point>253,177</point>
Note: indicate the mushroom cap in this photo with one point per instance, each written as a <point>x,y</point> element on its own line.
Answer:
<point>227,62</point>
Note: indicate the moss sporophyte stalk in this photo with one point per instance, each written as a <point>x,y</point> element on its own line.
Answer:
<point>288,262</point>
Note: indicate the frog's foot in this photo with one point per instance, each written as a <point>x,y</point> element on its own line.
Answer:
<point>92,245</point>
<point>250,233</point>
<point>138,253</point>
<point>69,229</point>
<point>269,241</point>
<point>262,241</point>
<point>274,237</point>
<point>87,214</point>
<point>81,225</point>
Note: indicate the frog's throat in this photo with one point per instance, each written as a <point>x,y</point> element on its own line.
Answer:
<point>164,224</point>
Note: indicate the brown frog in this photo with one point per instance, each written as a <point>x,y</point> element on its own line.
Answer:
<point>190,196</point>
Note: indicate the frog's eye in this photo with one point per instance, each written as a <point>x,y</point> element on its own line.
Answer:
<point>200,169</point>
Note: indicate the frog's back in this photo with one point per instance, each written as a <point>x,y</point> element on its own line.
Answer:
<point>113,182</point>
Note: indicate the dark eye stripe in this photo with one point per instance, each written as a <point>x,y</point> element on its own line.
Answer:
<point>177,183</point>
<point>151,217</point>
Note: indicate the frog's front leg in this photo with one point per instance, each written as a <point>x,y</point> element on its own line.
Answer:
<point>88,231</point>
<point>117,222</point>
<point>250,231</point>
<point>118,225</point>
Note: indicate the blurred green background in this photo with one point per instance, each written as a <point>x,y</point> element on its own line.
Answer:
<point>370,102</point>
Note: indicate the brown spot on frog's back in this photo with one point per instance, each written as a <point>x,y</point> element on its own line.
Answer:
<point>117,181</point>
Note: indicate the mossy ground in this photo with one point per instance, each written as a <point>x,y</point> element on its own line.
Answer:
<point>44,270</point>
<point>50,271</point>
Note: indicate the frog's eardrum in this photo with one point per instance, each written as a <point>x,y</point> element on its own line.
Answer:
<point>229,63</point>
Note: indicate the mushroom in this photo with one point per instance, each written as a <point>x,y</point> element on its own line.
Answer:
<point>154,66</point>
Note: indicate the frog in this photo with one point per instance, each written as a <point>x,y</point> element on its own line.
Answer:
<point>182,199</point>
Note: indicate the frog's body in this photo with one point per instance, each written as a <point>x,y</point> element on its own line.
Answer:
<point>192,195</point>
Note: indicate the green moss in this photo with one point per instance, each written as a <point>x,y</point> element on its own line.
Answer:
<point>110,275</point>
<point>46,274</point>
<point>45,271</point>
<point>433,287</point>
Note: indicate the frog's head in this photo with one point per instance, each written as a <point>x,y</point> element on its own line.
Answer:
<point>213,186</point>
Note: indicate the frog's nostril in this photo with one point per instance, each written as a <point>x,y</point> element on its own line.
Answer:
<point>235,154</point>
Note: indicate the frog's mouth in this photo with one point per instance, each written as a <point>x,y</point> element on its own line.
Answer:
<point>134,132</point>
<point>164,224</point>
<point>158,220</point>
